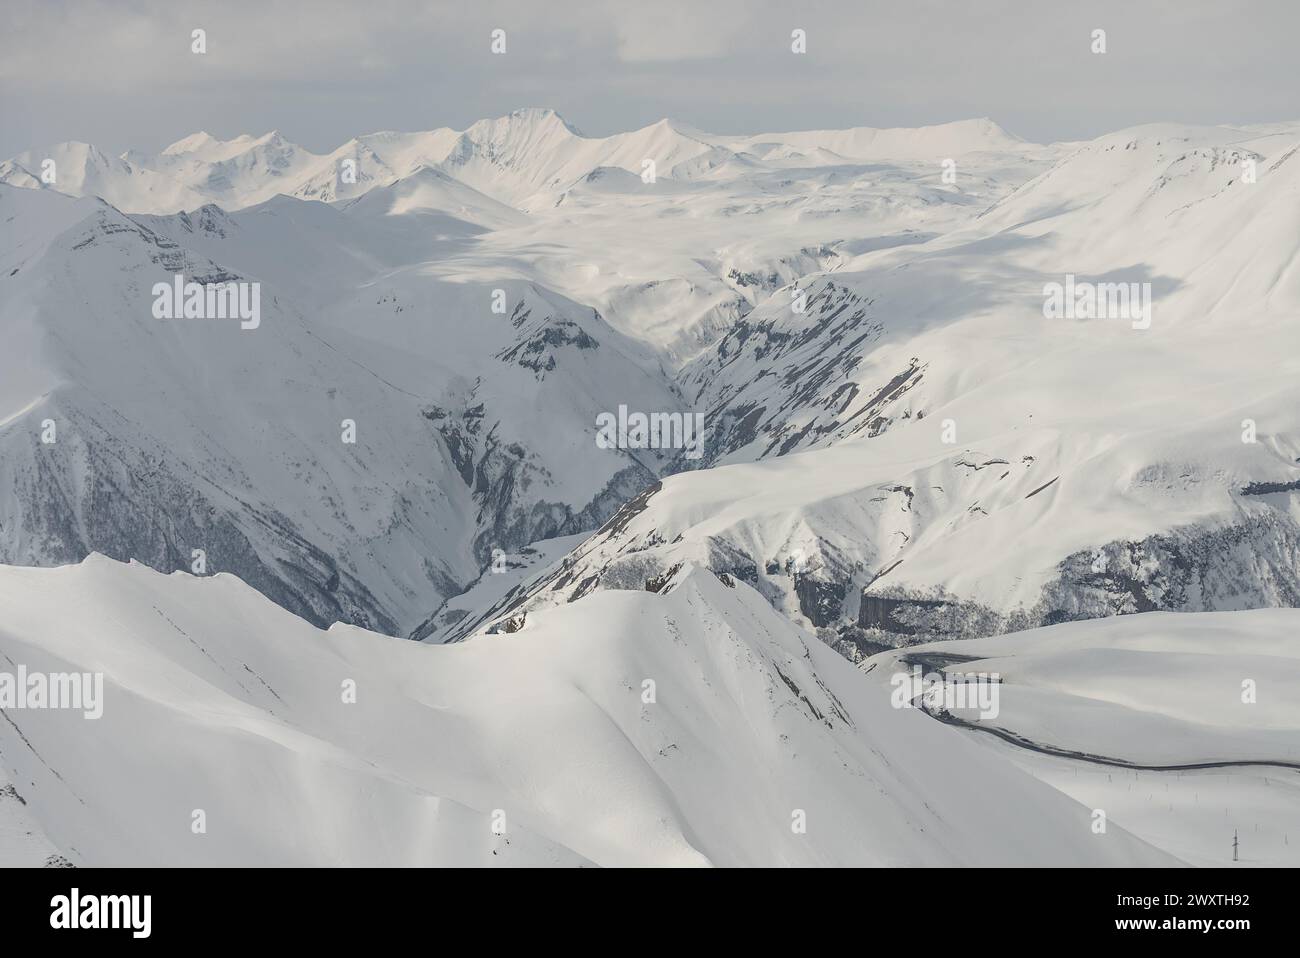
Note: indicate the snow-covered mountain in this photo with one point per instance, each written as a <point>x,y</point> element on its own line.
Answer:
<point>886,402</point>
<point>532,153</point>
<point>80,169</point>
<point>472,333</point>
<point>690,727</point>
<point>545,747</point>
<point>908,435</point>
<point>923,428</point>
<point>676,261</point>
<point>471,427</point>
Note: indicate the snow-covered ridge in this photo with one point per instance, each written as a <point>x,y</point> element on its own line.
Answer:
<point>474,344</point>
<point>692,727</point>
<point>472,431</point>
<point>920,428</point>
<point>901,444</point>
<point>943,439</point>
<point>511,158</point>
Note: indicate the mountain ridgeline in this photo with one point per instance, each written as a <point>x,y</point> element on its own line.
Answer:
<point>901,441</point>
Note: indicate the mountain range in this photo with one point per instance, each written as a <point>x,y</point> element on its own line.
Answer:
<point>904,445</point>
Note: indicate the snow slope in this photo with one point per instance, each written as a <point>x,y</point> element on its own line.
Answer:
<point>901,445</point>
<point>215,699</point>
<point>940,437</point>
<point>476,427</point>
<point>673,262</point>
<point>473,428</point>
<point>23,843</point>
<point>1192,722</point>
<point>81,169</point>
<point>1155,689</point>
<point>530,153</point>
<point>920,428</point>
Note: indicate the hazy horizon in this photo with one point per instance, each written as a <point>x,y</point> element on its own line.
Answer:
<point>124,77</point>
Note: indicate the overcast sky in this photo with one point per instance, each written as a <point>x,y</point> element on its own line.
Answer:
<point>120,74</point>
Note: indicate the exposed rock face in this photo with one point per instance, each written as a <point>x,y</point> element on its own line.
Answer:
<point>1254,563</point>
<point>819,601</point>
<point>782,379</point>
<point>91,492</point>
<point>894,614</point>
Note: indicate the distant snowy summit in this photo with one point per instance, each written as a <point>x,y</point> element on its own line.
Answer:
<point>512,158</point>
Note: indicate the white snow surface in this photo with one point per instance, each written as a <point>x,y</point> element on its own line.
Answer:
<point>216,699</point>
<point>936,431</point>
<point>1076,442</point>
<point>1160,692</point>
<point>475,428</point>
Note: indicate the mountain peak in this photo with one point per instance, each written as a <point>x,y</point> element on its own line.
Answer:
<point>541,116</point>
<point>188,144</point>
<point>986,127</point>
